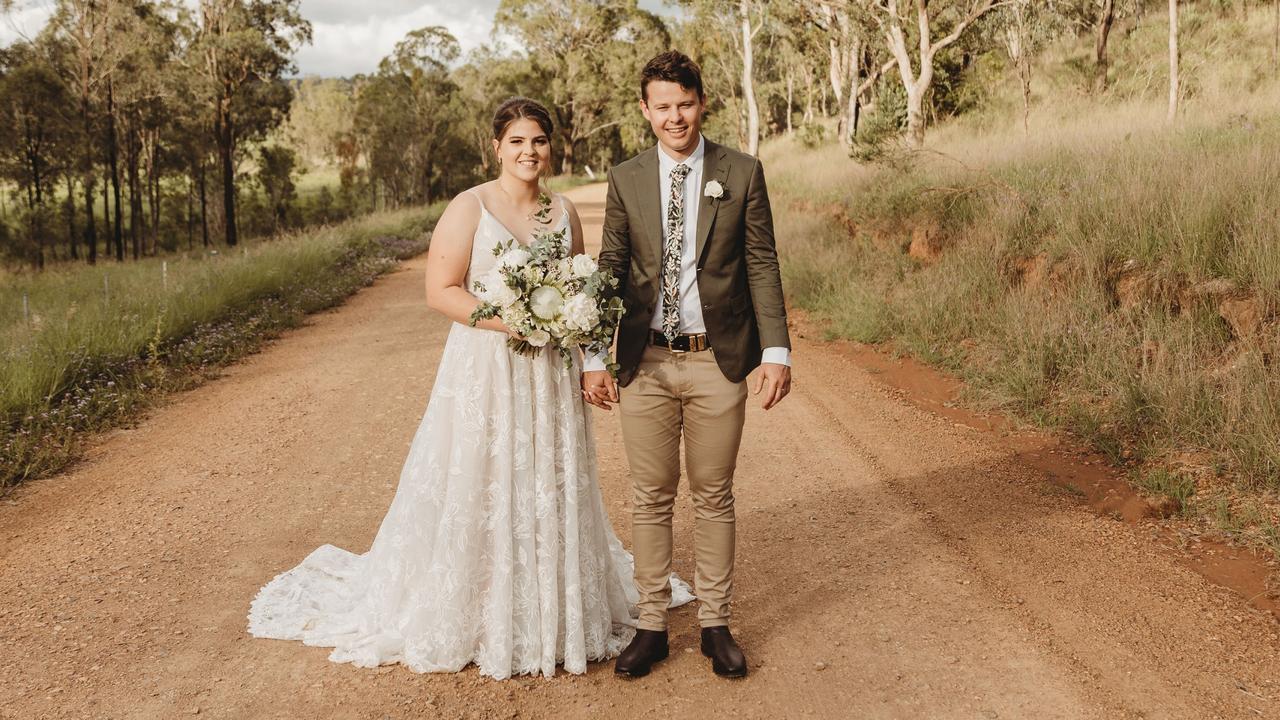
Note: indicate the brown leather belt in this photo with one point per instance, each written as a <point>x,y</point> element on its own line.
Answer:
<point>683,343</point>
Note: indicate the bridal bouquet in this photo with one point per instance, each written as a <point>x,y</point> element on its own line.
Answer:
<point>549,297</point>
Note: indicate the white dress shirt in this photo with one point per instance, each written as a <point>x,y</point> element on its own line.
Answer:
<point>691,320</point>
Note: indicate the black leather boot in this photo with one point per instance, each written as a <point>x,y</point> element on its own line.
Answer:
<point>646,648</point>
<point>727,659</point>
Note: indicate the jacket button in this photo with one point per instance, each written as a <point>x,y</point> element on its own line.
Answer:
<point>706,306</point>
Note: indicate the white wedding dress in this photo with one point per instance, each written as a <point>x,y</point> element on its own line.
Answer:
<point>496,549</point>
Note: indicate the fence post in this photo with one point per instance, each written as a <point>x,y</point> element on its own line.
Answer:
<point>164,274</point>
<point>26,315</point>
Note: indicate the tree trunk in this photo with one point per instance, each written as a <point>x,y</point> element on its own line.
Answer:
<point>204,206</point>
<point>226,141</point>
<point>834,68</point>
<point>567,159</point>
<point>191,226</point>
<point>135,196</point>
<point>72,244</point>
<point>808,94</point>
<point>748,83</point>
<point>113,155</point>
<point>117,250</point>
<point>1105,20</point>
<point>790,98</point>
<point>153,180</point>
<point>1173,59</point>
<point>915,115</point>
<point>850,121</point>
<point>90,237</point>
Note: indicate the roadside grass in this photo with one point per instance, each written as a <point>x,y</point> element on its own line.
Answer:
<point>99,344</point>
<point>1067,271</point>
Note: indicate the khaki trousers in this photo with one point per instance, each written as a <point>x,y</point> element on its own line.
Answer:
<point>675,395</point>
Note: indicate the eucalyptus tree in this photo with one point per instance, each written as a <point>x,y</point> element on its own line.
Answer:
<point>590,53</point>
<point>938,25</point>
<point>407,119</point>
<point>34,134</point>
<point>243,50</point>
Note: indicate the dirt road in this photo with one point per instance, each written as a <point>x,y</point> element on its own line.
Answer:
<point>892,563</point>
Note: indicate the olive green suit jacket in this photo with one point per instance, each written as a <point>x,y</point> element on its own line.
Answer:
<point>737,262</point>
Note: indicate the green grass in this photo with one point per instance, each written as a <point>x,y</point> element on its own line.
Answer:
<point>100,343</point>
<point>561,183</point>
<point>1101,188</point>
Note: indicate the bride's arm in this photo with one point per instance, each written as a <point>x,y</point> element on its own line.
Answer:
<point>448,259</point>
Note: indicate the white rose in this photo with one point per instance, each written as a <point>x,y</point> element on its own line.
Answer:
<point>502,295</point>
<point>545,302</point>
<point>538,338</point>
<point>515,257</point>
<point>583,265</point>
<point>713,189</point>
<point>580,313</point>
<point>495,290</point>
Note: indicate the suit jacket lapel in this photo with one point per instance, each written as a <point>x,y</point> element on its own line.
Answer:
<point>715,168</point>
<point>649,196</point>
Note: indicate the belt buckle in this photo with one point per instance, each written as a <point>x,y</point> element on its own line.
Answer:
<point>655,334</point>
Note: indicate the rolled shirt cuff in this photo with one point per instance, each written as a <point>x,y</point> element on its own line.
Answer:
<point>776,355</point>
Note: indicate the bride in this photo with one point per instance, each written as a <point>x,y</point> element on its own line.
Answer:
<point>496,548</point>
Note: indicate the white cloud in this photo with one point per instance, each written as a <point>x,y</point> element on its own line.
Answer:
<point>347,37</point>
<point>24,21</point>
<point>346,46</point>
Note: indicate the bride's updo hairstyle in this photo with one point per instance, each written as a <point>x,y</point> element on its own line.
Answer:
<point>517,108</point>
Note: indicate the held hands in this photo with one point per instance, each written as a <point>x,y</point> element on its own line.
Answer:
<point>775,380</point>
<point>599,388</point>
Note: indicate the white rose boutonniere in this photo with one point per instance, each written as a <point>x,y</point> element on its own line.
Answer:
<point>713,190</point>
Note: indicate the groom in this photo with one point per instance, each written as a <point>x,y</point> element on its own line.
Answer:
<point>689,234</point>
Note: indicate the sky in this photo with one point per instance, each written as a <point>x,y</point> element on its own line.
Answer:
<point>347,37</point>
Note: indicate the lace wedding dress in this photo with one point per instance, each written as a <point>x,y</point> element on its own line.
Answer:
<point>496,549</point>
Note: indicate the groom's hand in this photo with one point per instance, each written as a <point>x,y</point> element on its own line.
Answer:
<point>599,388</point>
<point>775,380</point>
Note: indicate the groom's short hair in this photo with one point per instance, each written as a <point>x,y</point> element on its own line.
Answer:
<point>672,66</point>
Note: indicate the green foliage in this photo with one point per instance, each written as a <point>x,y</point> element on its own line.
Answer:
<point>812,135</point>
<point>882,125</point>
<point>405,122</point>
<point>275,175</point>
<point>585,57</point>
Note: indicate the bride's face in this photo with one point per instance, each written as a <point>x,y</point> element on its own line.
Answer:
<point>524,151</point>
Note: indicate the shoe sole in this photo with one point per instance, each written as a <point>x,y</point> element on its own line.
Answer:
<point>639,672</point>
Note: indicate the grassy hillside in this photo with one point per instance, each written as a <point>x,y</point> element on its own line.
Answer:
<point>1106,272</point>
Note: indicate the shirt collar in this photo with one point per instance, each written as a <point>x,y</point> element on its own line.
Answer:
<point>666,163</point>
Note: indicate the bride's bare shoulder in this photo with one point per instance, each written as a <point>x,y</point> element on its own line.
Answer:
<point>461,216</point>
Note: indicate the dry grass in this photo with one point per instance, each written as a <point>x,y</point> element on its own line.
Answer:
<point>1100,190</point>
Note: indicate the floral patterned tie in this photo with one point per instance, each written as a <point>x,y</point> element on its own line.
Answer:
<point>672,250</point>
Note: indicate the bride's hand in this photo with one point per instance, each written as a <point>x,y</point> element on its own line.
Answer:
<point>512,333</point>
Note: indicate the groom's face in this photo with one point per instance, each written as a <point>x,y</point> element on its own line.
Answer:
<point>675,114</point>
